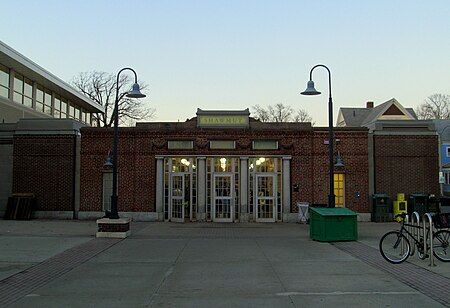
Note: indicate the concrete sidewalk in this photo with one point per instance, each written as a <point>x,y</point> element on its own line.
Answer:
<point>61,263</point>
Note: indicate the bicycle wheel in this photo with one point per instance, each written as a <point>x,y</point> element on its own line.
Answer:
<point>441,247</point>
<point>395,247</point>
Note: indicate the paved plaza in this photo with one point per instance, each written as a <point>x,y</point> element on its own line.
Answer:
<point>54,263</point>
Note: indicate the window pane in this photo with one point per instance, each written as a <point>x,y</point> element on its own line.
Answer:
<point>77,113</point>
<point>180,144</point>
<point>18,83</point>
<point>57,104</point>
<point>48,98</point>
<point>4,76</point>
<point>40,94</point>
<point>4,91</point>
<point>48,102</point>
<point>71,111</point>
<point>27,101</point>
<point>28,88</point>
<point>48,110</point>
<point>18,98</point>
<point>265,145</point>
<point>39,107</point>
<point>222,144</point>
<point>63,107</point>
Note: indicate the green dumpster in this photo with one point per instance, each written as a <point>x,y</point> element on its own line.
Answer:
<point>332,224</point>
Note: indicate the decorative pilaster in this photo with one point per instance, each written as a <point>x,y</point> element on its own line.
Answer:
<point>243,189</point>
<point>201,188</point>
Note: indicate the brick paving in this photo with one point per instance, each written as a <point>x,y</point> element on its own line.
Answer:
<point>428,283</point>
<point>17,286</point>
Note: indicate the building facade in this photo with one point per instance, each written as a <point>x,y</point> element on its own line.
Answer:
<point>403,152</point>
<point>37,109</point>
<point>222,166</point>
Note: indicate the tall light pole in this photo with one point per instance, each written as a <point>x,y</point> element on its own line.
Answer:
<point>310,90</point>
<point>134,93</point>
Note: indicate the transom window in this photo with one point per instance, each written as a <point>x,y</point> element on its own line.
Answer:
<point>265,145</point>
<point>222,145</point>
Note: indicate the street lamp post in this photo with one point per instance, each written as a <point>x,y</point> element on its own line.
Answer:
<point>310,90</point>
<point>134,93</point>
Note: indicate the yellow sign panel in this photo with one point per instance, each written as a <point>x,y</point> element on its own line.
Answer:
<point>226,121</point>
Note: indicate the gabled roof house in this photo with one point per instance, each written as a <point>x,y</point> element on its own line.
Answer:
<point>389,110</point>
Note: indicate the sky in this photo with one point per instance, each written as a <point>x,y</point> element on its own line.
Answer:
<point>235,54</point>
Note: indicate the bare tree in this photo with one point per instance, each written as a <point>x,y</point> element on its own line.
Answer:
<point>280,113</point>
<point>436,106</point>
<point>303,116</point>
<point>261,113</point>
<point>101,88</point>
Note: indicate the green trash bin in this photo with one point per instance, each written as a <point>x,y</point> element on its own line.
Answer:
<point>381,210</point>
<point>418,203</point>
<point>332,224</point>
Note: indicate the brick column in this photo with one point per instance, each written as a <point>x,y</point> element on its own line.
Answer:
<point>159,206</point>
<point>286,179</point>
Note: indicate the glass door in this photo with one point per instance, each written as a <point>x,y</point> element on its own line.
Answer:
<point>177,198</point>
<point>266,199</point>
<point>223,206</point>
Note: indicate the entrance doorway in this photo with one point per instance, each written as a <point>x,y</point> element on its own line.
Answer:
<point>180,189</point>
<point>223,205</point>
<point>266,199</point>
<point>265,189</point>
<point>178,198</point>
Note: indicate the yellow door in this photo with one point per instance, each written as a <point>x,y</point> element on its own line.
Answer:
<point>339,189</point>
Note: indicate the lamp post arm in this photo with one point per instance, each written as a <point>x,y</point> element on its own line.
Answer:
<point>114,198</point>
<point>331,196</point>
<point>329,76</point>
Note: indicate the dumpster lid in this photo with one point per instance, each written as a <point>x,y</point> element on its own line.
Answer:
<point>337,211</point>
<point>418,195</point>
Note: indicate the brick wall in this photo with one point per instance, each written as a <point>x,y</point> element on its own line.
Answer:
<point>406,164</point>
<point>44,165</point>
<point>138,148</point>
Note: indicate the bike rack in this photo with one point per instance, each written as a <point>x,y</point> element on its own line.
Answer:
<point>430,229</point>
<point>415,220</point>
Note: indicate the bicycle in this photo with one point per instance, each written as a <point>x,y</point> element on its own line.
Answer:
<point>396,248</point>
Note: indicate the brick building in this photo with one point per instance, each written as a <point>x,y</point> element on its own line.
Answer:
<point>403,151</point>
<point>222,166</point>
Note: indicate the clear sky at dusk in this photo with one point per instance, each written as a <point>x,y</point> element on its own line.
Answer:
<point>236,54</point>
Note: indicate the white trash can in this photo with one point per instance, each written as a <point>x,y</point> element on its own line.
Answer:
<point>303,212</point>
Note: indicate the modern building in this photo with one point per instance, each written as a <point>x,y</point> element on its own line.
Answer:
<point>37,107</point>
